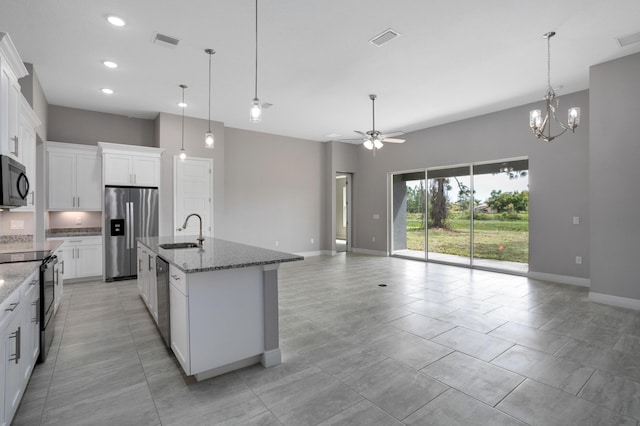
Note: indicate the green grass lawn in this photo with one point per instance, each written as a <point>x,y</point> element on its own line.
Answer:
<point>495,237</point>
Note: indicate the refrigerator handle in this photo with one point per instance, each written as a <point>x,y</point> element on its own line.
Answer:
<point>131,227</point>
<point>127,227</point>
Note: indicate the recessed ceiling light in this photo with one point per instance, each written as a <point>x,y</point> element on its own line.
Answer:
<point>107,91</point>
<point>116,21</point>
<point>110,64</point>
<point>182,104</point>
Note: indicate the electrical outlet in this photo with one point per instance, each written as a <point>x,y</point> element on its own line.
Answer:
<point>576,220</point>
<point>312,241</point>
<point>376,216</point>
<point>277,243</point>
<point>78,220</point>
<point>373,239</point>
<point>578,260</point>
<point>17,224</point>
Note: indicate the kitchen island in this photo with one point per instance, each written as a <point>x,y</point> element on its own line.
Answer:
<point>223,302</point>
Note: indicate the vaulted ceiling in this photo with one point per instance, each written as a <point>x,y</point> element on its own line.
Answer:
<point>453,59</point>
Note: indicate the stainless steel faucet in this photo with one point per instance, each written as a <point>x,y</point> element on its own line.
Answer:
<point>200,237</point>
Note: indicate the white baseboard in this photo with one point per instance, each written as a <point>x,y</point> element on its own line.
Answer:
<point>621,302</point>
<point>314,253</point>
<point>562,279</point>
<point>371,252</point>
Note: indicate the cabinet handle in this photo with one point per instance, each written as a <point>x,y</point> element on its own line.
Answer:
<point>62,263</point>
<point>15,145</point>
<point>34,282</point>
<point>12,307</point>
<point>36,319</point>
<point>175,277</point>
<point>33,198</point>
<point>74,201</point>
<point>15,335</point>
<point>149,262</point>
<point>78,201</point>
<point>139,266</point>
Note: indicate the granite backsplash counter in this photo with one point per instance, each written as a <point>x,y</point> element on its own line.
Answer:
<point>73,232</point>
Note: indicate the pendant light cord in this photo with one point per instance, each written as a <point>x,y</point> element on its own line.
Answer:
<point>256,80</point>
<point>549,61</point>
<point>210,53</point>
<point>373,110</point>
<point>182,146</point>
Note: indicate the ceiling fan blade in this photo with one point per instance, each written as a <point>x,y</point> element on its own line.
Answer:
<point>361,133</point>
<point>352,140</point>
<point>392,140</point>
<point>392,134</point>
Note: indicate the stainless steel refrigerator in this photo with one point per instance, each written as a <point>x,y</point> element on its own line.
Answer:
<point>129,213</point>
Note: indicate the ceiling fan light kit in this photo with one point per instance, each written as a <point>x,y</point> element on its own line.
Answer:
<point>537,123</point>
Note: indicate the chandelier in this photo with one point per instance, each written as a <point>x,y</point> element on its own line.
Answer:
<point>539,125</point>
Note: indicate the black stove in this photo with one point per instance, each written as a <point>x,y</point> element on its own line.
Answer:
<point>27,256</point>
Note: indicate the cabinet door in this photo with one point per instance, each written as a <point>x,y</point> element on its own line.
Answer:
<point>153,290</point>
<point>117,169</point>
<point>28,159</point>
<point>62,181</point>
<point>9,91</point>
<point>179,307</point>
<point>88,261</point>
<point>14,344</point>
<point>31,325</point>
<point>140,268</point>
<point>146,171</point>
<point>68,253</point>
<point>88,182</point>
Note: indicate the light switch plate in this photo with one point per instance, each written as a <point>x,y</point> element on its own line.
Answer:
<point>576,220</point>
<point>17,224</point>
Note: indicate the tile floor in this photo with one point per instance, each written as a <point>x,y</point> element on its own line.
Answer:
<point>439,345</point>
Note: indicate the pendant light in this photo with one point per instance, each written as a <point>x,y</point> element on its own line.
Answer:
<point>183,105</point>
<point>255,114</point>
<point>539,125</point>
<point>208,137</point>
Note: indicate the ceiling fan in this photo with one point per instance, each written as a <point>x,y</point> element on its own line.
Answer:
<point>373,139</point>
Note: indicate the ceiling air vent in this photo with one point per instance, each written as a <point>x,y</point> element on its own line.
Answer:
<point>384,37</point>
<point>165,40</point>
<point>627,40</point>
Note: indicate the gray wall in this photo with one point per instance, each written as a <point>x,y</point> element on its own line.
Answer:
<point>343,158</point>
<point>614,201</point>
<point>169,134</point>
<point>275,190</point>
<point>33,93</point>
<point>88,127</point>
<point>558,180</point>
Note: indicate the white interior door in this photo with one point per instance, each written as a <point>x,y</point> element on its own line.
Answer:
<point>193,193</point>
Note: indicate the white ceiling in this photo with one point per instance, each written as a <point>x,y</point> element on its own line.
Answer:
<point>454,58</point>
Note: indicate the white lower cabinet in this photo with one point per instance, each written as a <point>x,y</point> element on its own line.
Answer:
<point>179,314</point>
<point>20,344</point>
<point>82,257</point>
<point>147,279</point>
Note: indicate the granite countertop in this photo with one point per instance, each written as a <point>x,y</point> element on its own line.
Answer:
<point>12,275</point>
<point>215,254</point>
<point>25,246</point>
<point>73,232</point>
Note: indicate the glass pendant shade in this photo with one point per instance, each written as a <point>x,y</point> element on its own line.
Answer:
<point>183,155</point>
<point>535,118</point>
<point>209,140</point>
<point>368,144</point>
<point>574,117</point>
<point>377,143</point>
<point>256,111</point>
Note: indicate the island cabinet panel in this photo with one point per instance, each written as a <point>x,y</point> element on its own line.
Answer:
<point>179,305</point>
<point>224,305</point>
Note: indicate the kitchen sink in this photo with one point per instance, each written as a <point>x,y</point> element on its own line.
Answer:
<point>171,246</point>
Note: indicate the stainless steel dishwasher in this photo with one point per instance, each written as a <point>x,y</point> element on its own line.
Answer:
<point>162,286</point>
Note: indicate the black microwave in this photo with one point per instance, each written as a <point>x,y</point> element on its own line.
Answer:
<point>14,184</point>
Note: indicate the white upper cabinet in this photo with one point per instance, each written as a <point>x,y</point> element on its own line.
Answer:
<point>11,69</point>
<point>130,165</point>
<point>27,150</point>
<point>74,177</point>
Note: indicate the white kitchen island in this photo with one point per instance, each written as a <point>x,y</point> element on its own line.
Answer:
<point>223,303</point>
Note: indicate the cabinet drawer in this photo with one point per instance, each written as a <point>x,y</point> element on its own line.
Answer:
<point>178,279</point>
<point>80,241</point>
<point>10,306</point>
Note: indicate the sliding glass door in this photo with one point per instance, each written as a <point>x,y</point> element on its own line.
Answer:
<point>408,215</point>
<point>501,215</point>
<point>449,225</point>
<point>472,215</point>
